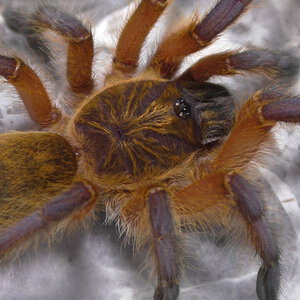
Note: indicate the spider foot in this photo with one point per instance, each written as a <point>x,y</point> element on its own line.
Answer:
<point>168,291</point>
<point>268,281</point>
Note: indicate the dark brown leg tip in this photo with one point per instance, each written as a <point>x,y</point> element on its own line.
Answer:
<point>221,16</point>
<point>8,66</point>
<point>65,24</point>
<point>285,110</point>
<point>268,282</point>
<point>170,292</point>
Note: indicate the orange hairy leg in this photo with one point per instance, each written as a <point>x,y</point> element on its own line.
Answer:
<point>31,90</point>
<point>253,124</point>
<point>134,34</point>
<point>80,45</point>
<point>235,62</point>
<point>77,197</point>
<point>195,36</point>
<point>251,129</point>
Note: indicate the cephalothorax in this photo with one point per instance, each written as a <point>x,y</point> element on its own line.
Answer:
<point>160,151</point>
<point>149,127</point>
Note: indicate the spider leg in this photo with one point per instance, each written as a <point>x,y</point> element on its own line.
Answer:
<point>252,128</point>
<point>250,132</point>
<point>164,242</point>
<point>31,90</point>
<point>212,201</point>
<point>80,45</point>
<point>251,207</point>
<point>237,62</point>
<point>80,196</point>
<point>134,34</point>
<point>195,36</point>
<point>148,218</point>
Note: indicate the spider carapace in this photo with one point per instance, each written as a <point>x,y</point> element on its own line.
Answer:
<point>160,152</point>
<point>142,128</point>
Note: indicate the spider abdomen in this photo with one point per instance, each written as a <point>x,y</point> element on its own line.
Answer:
<point>48,166</point>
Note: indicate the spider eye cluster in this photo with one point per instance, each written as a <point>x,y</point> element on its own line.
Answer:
<point>182,108</point>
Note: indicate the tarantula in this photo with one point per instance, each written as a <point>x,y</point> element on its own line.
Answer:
<point>160,152</point>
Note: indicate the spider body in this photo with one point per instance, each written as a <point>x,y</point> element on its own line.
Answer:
<point>160,152</point>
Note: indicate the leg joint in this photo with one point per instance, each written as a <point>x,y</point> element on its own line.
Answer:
<point>246,196</point>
